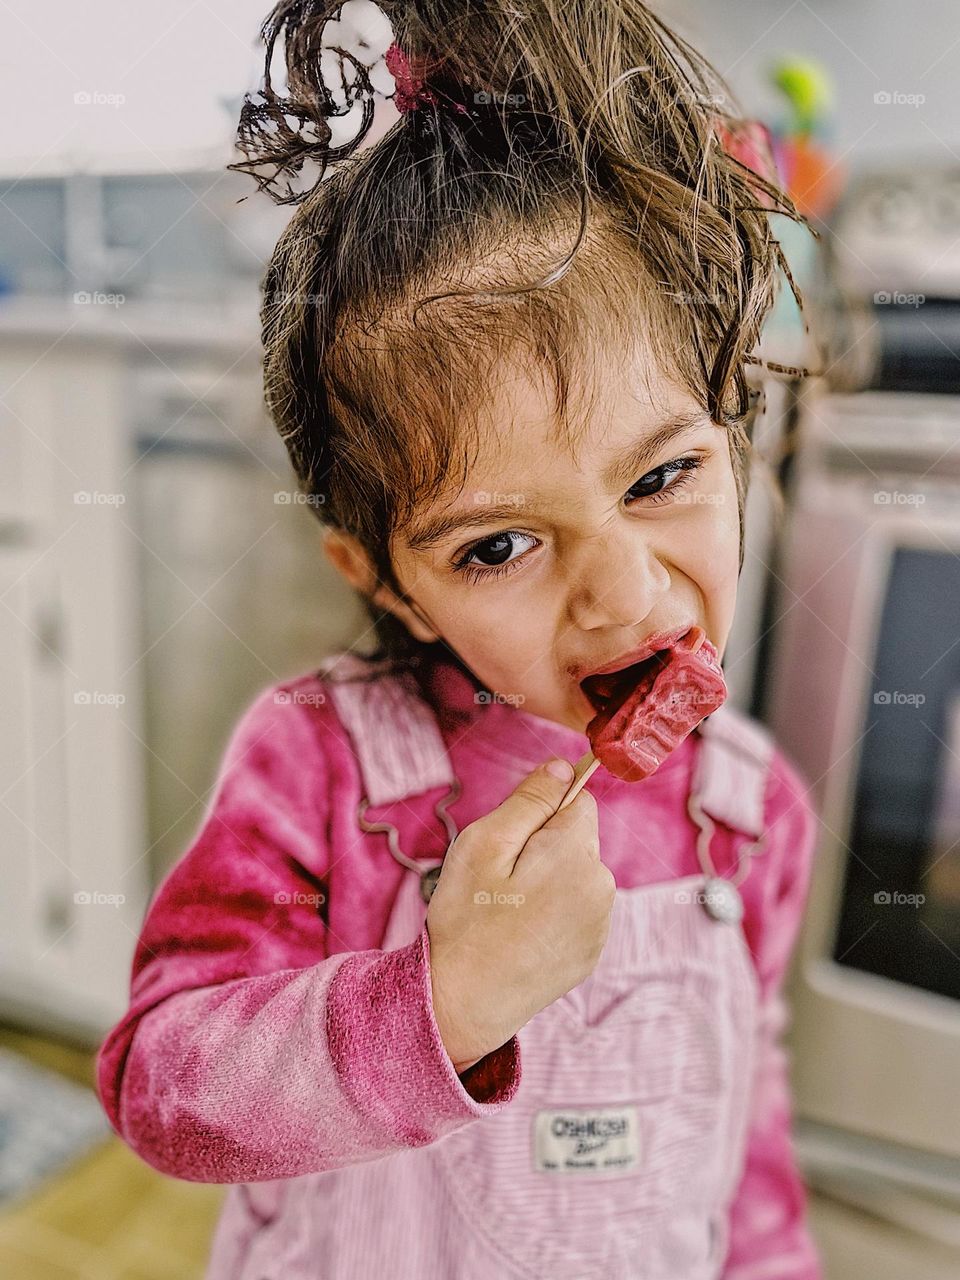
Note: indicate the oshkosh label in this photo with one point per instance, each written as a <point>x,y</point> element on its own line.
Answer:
<point>586,1141</point>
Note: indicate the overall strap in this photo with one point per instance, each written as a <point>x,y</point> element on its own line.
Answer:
<point>731,770</point>
<point>728,785</point>
<point>394,732</point>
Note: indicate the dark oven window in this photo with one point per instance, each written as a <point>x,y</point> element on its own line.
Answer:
<point>900,912</point>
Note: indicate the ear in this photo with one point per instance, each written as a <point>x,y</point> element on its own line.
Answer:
<point>352,561</point>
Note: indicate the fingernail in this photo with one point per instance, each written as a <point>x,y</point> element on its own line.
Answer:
<point>561,769</point>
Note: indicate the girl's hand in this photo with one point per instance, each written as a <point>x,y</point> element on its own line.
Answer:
<point>519,916</point>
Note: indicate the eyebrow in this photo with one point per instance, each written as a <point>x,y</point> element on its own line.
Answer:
<point>636,460</point>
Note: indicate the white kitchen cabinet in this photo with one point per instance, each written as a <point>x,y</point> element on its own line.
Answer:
<point>73,887</point>
<point>152,583</point>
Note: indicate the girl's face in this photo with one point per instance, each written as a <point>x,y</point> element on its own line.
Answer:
<point>551,562</point>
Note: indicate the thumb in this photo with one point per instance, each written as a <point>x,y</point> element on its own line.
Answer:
<point>531,804</point>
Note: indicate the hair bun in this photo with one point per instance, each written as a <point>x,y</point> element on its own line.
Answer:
<point>278,134</point>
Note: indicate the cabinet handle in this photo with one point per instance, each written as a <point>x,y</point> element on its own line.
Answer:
<point>13,532</point>
<point>48,630</point>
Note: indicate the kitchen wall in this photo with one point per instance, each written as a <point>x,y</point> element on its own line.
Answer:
<point>868,46</point>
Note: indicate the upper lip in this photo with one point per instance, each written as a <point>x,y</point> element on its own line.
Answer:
<point>652,644</point>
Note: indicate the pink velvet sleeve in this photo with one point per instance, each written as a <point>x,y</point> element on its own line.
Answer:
<point>247,1052</point>
<point>769,1234</point>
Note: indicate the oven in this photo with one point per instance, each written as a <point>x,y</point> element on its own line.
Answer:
<point>863,691</point>
<point>864,694</point>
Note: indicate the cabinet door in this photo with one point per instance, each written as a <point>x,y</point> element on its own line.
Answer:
<point>72,855</point>
<point>16,783</point>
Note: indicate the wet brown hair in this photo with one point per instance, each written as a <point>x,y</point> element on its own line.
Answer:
<point>583,194</point>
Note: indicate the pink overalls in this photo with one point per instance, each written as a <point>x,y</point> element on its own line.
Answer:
<point>624,1143</point>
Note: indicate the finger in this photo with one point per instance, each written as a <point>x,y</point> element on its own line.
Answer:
<point>535,799</point>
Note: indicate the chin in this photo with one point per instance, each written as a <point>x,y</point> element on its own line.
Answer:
<point>572,716</point>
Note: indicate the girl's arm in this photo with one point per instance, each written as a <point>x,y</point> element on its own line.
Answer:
<point>247,1053</point>
<point>769,1235</point>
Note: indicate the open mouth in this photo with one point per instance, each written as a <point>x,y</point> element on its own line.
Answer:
<point>606,692</point>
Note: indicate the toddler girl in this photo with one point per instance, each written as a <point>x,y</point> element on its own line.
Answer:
<point>506,347</point>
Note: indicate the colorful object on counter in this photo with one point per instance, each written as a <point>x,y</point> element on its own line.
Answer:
<point>654,705</point>
<point>809,170</point>
<point>808,90</point>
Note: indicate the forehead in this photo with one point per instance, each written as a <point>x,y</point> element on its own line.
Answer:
<point>612,397</point>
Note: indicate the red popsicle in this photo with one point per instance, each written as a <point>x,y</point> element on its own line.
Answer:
<point>647,710</point>
<point>643,722</point>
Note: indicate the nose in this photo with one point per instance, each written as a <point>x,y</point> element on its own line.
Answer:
<point>617,581</point>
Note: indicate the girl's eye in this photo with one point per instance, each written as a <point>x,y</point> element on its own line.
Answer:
<point>658,484</point>
<point>493,557</point>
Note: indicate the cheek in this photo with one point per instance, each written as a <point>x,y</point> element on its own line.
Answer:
<point>494,638</point>
<point>503,644</point>
<point>702,523</point>
<point>714,555</point>
<point>715,536</point>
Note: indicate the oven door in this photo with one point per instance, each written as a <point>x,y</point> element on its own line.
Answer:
<point>900,904</point>
<point>864,696</point>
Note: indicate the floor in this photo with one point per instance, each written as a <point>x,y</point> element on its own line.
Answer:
<point>109,1216</point>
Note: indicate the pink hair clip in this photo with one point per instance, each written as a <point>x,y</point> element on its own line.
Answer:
<point>411,91</point>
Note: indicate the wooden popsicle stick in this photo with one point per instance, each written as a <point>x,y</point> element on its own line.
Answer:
<point>582,770</point>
